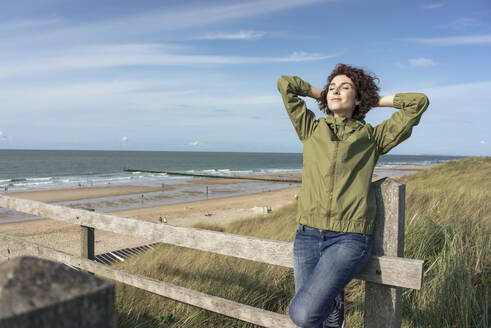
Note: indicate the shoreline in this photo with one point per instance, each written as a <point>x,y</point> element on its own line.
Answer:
<point>83,193</point>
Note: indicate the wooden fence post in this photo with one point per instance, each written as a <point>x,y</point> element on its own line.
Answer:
<point>382,302</point>
<point>87,241</point>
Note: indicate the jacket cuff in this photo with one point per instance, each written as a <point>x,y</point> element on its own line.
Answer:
<point>398,100</point>
<point>293,85</point>
<point>303,87</point>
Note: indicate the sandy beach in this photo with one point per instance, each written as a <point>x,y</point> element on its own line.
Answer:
<point>217,211</point>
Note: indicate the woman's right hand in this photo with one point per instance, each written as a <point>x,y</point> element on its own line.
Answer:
<point>314,93</point>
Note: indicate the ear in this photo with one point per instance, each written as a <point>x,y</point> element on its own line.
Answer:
<point>357,102</point>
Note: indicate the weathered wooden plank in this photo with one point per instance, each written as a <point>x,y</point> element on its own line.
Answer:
<point>383,304</point>
<point>212,303</point>
<point>87,242</point>
<point>393,271</point>
<point>389,271</point>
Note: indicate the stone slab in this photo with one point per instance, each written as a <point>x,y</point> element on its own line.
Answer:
<point>39,293</point>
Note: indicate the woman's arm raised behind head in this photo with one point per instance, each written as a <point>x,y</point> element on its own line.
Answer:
<point>399,126</point>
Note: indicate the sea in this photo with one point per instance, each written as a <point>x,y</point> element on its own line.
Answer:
<point>31,170</point>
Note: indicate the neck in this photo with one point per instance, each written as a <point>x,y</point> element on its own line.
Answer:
<point>345,114</point>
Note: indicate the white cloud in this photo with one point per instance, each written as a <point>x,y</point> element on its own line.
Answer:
<point>136,54</point>
<point>462,23</point>
<point>456,40</point>
<point>173,95</point>
<point>482,142</point>
<point>124,139</point>
<point>242,35</point>
<point>434,5</point>
<point>477,91</point>
<point>3,136</point>
<point>422,62</point>
<point>13,26</point>
<point>151,22</point>
<point>188,17</point>
<point>96,95</point>
<point>458,107</point>
<point>455,107</point>
<point>194,143</point>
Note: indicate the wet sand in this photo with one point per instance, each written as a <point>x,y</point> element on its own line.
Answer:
<point>403,168</point>
<point>60,195</point>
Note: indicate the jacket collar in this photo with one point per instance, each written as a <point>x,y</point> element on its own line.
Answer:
<point>352,123</point>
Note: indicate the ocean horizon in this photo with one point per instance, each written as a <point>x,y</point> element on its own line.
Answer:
<point>30,170</point>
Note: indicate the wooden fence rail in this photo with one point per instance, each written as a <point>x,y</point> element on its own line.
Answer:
<point>386,273</point>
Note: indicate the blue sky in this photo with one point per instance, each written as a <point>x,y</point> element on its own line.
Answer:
<point>201,75</point>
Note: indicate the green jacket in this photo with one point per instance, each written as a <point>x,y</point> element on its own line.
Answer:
<point>339,155</point>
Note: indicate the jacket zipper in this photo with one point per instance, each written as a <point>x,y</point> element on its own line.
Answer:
<point>332,181</point>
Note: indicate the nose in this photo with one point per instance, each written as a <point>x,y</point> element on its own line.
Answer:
<point>335,90</point>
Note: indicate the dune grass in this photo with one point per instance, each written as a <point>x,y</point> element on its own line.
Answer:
<point>448,216</point>
<point>447,225</point>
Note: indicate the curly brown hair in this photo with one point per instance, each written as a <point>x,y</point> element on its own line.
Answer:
<point>366,90</point>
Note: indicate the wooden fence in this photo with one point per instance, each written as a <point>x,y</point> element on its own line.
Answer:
<point>386,273</point>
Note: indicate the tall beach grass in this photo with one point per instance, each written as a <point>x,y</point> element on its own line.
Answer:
<point>447,224</point>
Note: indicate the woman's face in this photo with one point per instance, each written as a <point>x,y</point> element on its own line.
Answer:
<point>341,96</point>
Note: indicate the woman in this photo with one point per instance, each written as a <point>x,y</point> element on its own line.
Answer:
<point>336,204</point>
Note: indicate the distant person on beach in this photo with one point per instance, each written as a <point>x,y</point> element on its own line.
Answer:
<point>336,204</point>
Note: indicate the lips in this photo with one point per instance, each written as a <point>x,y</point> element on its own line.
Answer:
<point>335,99</point>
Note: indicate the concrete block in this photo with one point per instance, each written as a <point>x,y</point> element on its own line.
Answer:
<point>40,293</point>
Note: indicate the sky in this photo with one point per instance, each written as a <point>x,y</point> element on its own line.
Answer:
<point>201,75</point>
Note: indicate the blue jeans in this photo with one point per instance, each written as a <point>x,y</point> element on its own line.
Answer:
<point>324,262</point>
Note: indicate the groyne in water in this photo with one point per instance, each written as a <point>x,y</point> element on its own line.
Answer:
<point>292,180</point>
